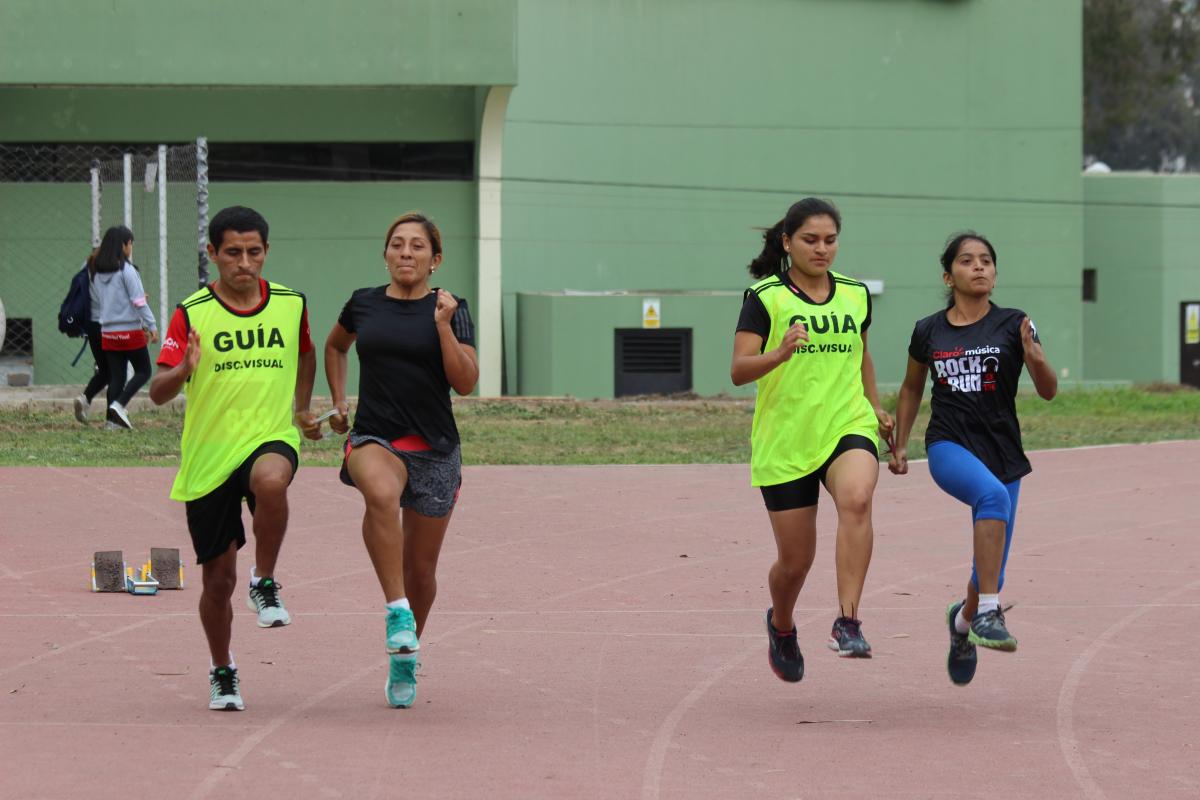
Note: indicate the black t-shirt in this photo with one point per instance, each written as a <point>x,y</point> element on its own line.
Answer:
<point>974,371</point>
<point>402,385</point>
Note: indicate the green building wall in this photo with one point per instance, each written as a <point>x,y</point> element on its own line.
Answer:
<point>645,145</point>
<point>1142,236</point>
<point>260,43</point>
<point>675,136</point>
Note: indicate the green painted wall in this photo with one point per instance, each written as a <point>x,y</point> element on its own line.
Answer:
<point>260,43</point>
<point>645,143</point>
<point>565,342</point>
<point>652,162</point>
<point>1142,237</point>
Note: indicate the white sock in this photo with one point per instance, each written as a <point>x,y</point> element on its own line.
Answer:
<point>960,622</point>
<point>988,602</point>
<point>232,664</point>
<point>254,579</point>
<point>401,603</point>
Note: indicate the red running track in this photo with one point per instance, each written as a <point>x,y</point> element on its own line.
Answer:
<point>599,635</point>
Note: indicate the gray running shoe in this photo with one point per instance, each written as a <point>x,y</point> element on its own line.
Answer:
<point>846,638</point>
<point>988,630</point>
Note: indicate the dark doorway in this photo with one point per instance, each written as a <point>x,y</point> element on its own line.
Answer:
<point>1189,343</point>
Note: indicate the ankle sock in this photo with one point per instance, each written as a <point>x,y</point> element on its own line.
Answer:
<point>401,603</point>
<point>988,602</point>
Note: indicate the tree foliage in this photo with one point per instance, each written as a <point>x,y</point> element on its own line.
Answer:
<point>1140,79</point>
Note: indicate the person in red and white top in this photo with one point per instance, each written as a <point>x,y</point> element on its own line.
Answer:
<point>127,324</point>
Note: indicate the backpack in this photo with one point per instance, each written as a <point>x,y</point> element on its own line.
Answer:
<point>76,308</point>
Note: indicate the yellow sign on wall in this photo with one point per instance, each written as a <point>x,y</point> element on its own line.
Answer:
<point>652,313</point>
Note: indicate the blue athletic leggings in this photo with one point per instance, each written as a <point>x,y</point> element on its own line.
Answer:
<point>958,473</point>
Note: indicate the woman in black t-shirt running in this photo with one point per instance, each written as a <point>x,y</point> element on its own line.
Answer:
<point>975,351</point>
<point>415,343</point>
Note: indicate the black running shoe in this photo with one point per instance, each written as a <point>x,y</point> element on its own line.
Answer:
<point>783,652</point>
<point>988,630</point>
<point>961,661</point>
<point>846,638</point>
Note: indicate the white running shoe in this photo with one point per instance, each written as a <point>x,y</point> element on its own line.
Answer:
<point>264,599</point>
<point>118,414</point>
<point>81,409</point>
<point>224,691</point>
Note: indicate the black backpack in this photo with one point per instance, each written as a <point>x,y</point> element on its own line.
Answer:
<point>76,308</point>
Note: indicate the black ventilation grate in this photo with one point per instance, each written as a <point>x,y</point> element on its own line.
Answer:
<point>652,361</point>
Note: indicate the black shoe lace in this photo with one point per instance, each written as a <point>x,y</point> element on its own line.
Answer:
<point>268,590</point>
<point>226,681</point>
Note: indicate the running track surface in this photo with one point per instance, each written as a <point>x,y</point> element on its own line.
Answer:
<point>599,634</point>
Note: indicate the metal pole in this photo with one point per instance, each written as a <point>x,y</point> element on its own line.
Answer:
<point>95,204</point>
<point>162,237</point>
<point>202,205</point>
<point>128,161</point>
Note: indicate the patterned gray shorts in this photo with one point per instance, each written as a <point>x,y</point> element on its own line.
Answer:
<point>434,478</point>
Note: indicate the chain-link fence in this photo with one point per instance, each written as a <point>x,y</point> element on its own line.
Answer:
<point>56,201</point>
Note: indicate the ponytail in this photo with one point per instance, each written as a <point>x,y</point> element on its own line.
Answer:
<point>771,259</point>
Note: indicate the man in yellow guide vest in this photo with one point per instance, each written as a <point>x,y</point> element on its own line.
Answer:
<point>241,352</point>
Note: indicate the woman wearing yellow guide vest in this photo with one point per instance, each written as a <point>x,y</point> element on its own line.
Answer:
<point>802,335</point>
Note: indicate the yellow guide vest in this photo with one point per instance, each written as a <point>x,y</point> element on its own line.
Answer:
<point>809,402</point>
<point>241,393</point>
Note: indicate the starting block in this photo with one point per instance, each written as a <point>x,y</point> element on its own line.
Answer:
<point>110,573</point>
<point>166,566</point>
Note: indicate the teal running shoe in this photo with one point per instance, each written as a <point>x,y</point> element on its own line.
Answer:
<point>401,631</point>
<point>401,686</point>
<point>963,658</point>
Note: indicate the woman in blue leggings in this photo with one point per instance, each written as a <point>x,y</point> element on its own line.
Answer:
<point>973,351</point>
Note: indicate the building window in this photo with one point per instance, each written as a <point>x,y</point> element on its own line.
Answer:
<point>341,161</point>
<point>1089,285</point>
<point>256,161</point>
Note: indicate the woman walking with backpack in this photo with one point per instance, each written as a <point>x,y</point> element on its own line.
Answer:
<point>126,321</point>
<point>89,327</point>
